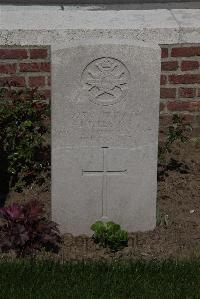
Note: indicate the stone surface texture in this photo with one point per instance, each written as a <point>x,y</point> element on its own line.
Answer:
<point>104,3</point>
<point>104,135</point>
<point>54,25</point>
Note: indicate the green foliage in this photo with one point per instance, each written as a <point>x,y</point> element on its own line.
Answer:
<point>161,218</point>
<point>109,234</point>
<point>24,126</point>
<point>178,131</point>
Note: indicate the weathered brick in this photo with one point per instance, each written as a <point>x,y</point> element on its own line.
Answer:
<point>184,79</point>
<point>169,65</point>
<point>165,120</point>
<point>45,67</point>
<point>38,81</point>
<point>13,53</point>
<point>38,53</point>
<point>185,51</point>
<point>167,93</point>
<point>8,68</point>
<point>35,67</point>
<point>186,92</point>
<point>13,81</point>
<point>178,106</point>
<point>183,106</point>
<point>189,65</point>
<point>187,118</point>
<point>164,52</point>
<point>163,79</point>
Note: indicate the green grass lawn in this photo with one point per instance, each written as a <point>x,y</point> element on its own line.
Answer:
<point>24,279</point>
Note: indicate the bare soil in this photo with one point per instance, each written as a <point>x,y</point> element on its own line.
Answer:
<point>177,235</point>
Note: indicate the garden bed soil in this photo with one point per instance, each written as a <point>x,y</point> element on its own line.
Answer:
<point>177,234</point>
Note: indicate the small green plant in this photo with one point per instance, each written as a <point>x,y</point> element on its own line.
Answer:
<point>178,131</point>
<point>109,234</point>
<point>24,127</point>
<point>161,218</point>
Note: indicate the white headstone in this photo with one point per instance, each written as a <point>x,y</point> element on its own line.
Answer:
<point>104,134</point>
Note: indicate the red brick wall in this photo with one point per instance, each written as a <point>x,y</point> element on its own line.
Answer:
<point>180,78</point>
<point>26,67</point>
<point>180,84</point>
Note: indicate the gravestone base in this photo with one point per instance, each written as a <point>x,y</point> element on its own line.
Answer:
<point>118,184</point>
<point>104,134</point>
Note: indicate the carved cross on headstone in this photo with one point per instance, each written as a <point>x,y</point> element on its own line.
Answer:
<point>104,172</point>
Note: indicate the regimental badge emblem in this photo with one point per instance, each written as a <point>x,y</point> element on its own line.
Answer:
<point>106,81</point>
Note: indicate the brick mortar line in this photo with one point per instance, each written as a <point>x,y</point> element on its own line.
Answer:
<point>187,85</point>
<point>182,100</point>
<point>179,87</point>
<point>178,45</point>
<point>180,59</point>
<point>25,74</point>
<point>179,62</point>
<point>35,74</point>
<point>35,61</point>
<point>18,73</point>
<point>166,112</point>
<point>24,60</point>
<point>45,88</point>
<point>179,100</point>
<point>180,72</point>
<point>191,113</point>
<point>25,46</point>
<point>185,58</point>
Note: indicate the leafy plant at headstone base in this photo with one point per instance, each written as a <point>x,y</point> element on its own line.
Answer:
<point>109,234</point>
<point>25,230</point>
<point>178,131</point>
<point>161,218</point>
<point>24,127</point>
